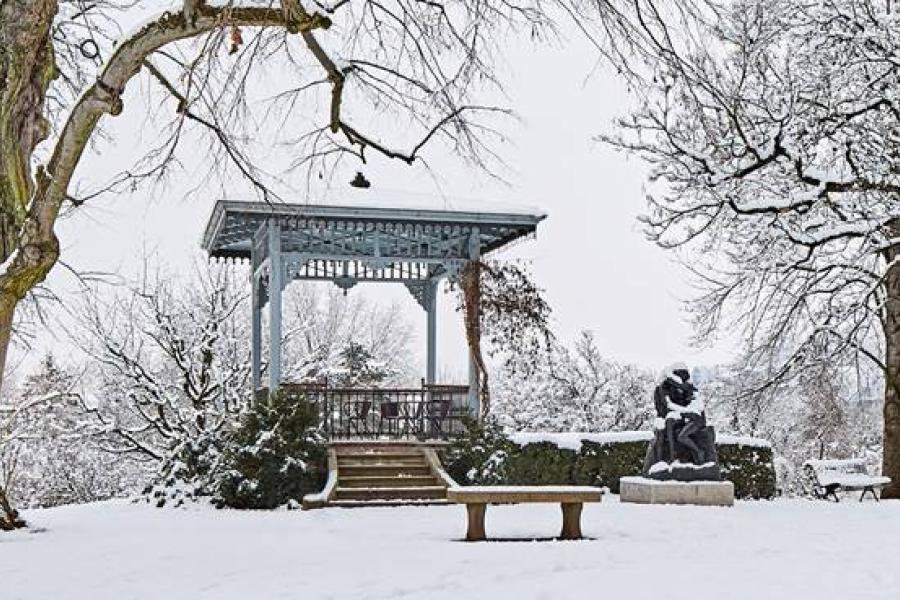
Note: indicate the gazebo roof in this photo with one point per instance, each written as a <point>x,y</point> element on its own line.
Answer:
<point>401,232</point>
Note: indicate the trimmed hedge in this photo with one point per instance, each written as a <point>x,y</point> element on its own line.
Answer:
<point>485,456</point>
<point>750,468</point>
<point>603,464</point>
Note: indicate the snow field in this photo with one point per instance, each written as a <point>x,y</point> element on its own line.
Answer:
<point>761,550</point>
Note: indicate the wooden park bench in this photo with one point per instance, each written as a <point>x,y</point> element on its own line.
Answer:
<point>570,498</point>
<point>831,476</point>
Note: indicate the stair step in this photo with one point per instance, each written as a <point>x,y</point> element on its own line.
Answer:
<point>382,463</point>
<point>378,457</point>
<point>387,503</point>
<point>375,470</point>
<point>390,450</point>
<point>383,471</point>
<point>394,493</point>
<point>378,481</point>
<point>381,456</point>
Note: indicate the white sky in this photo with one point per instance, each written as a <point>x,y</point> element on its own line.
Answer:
<point>590,255</point>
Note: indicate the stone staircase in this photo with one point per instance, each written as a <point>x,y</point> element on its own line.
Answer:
<point>385,474</point>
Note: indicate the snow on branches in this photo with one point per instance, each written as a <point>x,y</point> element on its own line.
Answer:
<point>576,389</point>
<point>775,150</point>
<point>773,133</point>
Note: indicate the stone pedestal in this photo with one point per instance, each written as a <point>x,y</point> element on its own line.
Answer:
<point>642,490</point>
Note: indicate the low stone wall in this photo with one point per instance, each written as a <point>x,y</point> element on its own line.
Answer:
<point>488,457</point>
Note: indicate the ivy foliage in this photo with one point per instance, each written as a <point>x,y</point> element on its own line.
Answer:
<point>515,317</point>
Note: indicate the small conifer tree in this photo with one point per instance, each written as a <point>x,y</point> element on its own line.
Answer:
<point>276,455</point>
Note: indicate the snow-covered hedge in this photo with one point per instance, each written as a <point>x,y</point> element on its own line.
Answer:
<point>486,456</point>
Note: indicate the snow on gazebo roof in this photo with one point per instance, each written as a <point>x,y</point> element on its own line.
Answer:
<point>363,222</point>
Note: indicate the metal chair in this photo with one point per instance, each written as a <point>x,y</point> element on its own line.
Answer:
<point>438,411</point>
<point>356,415</point>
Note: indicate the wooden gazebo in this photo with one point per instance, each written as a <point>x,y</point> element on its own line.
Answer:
<point>349,245</point>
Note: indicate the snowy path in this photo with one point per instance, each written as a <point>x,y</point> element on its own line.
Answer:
<point>764,550</point>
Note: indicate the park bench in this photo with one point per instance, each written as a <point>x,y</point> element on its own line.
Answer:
<point>570,498</point>
<point>831,476</point>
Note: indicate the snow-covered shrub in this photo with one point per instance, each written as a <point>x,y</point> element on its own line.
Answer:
<point>276,455</point>
<point>53,452</point>
<point>577,389</point>
<point>479,456</point>
<point>189,473</point>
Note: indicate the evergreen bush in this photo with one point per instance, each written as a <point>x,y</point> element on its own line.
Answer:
<point>479,456</point>
<point>188,474</point>
<point>541,463</point>
<point>276,455</point>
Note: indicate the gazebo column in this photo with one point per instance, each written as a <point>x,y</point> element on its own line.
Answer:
<point>255,332</point>
<point>474,383</point>
<point>276,284</point>
<point>431,331</point>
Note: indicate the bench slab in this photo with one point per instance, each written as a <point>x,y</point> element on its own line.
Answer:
<point>509,494</point>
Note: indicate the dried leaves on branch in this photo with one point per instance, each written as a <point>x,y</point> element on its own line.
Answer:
<point>502,305</point>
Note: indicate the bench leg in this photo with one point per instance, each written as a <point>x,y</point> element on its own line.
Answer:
<point>475,531</point>
<point>571,528</point>
<point>868,489</point>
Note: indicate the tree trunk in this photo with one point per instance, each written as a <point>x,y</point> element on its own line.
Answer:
<point>29,206</point>
<point>9,516</point>
<point>27,67</point>
<point>891,327</point>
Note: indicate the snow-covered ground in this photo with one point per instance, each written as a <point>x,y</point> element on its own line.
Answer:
<point>760,550</point>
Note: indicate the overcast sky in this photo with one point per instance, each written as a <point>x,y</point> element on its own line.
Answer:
<point>590,254</point>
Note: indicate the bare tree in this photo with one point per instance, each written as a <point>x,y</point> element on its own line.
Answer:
<point>321,324</point>
<point>576,389</point>
<point>53,452</point>
<point>772,131</point>
<point>169,358</point>
<point>421,61</point>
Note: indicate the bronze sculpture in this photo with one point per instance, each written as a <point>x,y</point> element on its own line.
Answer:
<point>683,448</point>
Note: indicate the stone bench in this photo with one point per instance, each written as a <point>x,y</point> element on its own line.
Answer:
<point>830,476</point>
<point>570,498</point>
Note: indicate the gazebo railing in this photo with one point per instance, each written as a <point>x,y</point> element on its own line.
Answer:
<point>429,412</point>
